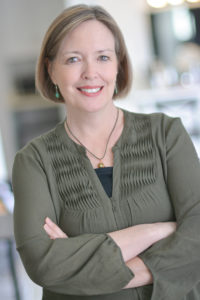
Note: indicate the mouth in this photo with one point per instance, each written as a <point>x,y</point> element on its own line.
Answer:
<point>90,91</point>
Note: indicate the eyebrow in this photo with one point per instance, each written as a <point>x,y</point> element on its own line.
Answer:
<point>78,52</point>
<point>105,50</point>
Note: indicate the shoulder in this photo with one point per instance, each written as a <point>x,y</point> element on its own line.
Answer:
<point>157,127</point>
<point>155,121</point>
<point>37,147</point>
<point>155,118</point>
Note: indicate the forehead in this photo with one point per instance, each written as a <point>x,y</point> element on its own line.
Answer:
<point>92,33</point>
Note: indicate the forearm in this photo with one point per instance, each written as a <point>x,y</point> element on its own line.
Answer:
<point>142,275</point>
<point>134,240</point>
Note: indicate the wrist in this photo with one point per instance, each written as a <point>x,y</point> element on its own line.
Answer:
<point>143,275</point>
<point>164,229</point>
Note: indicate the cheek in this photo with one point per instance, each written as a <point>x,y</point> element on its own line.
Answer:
<point>67,79</point>
<point>67,75</point>
<point>111,77</point>
<point>111,74</point>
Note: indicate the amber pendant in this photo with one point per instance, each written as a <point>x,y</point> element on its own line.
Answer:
<point>101,165</point>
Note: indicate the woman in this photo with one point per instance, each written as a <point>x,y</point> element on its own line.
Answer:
<point>97,198</point>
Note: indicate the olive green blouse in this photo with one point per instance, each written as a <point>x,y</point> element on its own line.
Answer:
<point>156,178</point>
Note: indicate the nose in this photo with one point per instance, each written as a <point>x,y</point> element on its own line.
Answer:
<point>89,71</point>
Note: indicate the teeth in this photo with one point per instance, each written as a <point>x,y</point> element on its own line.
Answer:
<point>91,90</point>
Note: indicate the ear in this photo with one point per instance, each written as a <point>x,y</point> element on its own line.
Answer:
<point>49,66</point>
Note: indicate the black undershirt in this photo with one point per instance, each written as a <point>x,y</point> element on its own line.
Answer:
<point>106,178</point>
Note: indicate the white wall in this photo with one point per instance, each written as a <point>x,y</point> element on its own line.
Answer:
<point>22,26</point>
<point>5,119</point>
<point>25,22</point>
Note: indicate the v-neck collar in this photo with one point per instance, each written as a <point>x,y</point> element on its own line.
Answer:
<point>73,146</point>
<point>79,150</point>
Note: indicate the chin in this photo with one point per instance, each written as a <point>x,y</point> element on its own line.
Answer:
<point>98,106</point>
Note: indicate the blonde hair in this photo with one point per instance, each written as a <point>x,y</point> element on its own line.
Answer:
<point>68,20</point>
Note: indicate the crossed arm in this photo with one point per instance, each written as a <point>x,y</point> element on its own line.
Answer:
<point>132,241</point>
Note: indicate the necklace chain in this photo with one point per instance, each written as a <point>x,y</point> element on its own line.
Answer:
<point>99,158</point>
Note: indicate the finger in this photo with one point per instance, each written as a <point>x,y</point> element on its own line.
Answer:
<point>55,229</point>
<point>49,231</point>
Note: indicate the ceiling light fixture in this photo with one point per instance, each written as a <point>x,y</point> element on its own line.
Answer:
<point>175,2</point>
<point>164,3</point>
<point>157,3</point>
<point>193,1</point>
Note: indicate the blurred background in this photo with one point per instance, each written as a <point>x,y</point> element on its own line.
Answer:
<point>163,39</point>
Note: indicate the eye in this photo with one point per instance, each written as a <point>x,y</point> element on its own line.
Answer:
<point>72,60</point>
<point>104,58</point>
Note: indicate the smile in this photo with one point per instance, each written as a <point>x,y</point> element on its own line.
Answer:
<point>93,91</point>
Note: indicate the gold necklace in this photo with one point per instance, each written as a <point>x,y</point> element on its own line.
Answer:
<point>100,164</point>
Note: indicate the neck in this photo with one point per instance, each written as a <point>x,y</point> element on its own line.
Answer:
<point>91,123</point>
<point>97,134</point>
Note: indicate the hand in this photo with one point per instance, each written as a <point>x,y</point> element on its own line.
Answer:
<point>166,228</point>
<point>143,275</point>
<point>53,231</point>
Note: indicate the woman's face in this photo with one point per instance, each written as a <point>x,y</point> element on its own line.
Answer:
<point>85,67</point>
